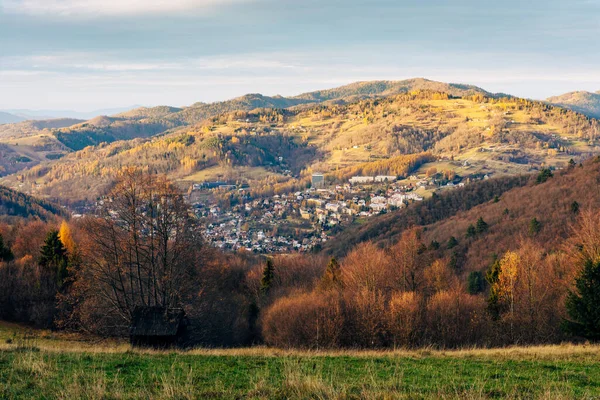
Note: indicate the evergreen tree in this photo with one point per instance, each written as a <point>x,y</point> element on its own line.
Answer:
<point>471,231</point>
<point>544,175</point>
<point>575,207</point>
<point>481,225</point>
<point>583,304</point>
<point>475,282</point>
<point>534,227</point>
<point>492,276</point>
<point>571,163</point>
<point>434,245</point>
<point>268,276</point>
<point>332,278</point>
<point>5,253</point>
<point>452,242</point>
<point>54,256</point>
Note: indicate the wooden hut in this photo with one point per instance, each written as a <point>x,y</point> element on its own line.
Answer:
<point>157,327</point>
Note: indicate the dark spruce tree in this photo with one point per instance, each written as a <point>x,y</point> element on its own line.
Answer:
<point>481,225</point>
<point>471,231</point>
<point>475,282</point>
<point>268,276</point>
<point>54,256</point>
<point>534,227</point>
<point>544,175</point>
<point>583,304</point>
<point>492,276</point>
<point>452,242</point>
<point>5,254</point>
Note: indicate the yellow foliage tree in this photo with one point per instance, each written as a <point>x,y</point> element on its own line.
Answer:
<point>66,237</point>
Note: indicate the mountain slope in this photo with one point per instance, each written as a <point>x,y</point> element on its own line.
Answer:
<point>587,103</point>
<point>470,137</point>
<point>554,204</point>
<point>6,118</point>
<point>146,122</point>
<point>16,204</point>
<point>33,127</point>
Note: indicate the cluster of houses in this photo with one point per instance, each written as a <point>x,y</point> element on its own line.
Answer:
<point>302,220</point>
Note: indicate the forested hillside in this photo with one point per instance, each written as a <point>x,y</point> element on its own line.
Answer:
<point>16,204</point>
<point>584,102</point>
<point>471,136</point>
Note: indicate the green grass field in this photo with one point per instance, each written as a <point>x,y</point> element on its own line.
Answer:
<point>48,367</point>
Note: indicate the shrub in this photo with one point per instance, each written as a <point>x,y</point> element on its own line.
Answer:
<point>308,320</point>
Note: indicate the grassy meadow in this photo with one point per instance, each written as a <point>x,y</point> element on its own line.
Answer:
<point>40,365</point>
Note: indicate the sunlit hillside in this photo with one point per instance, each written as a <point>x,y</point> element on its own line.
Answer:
<point>584,102</point>
<point>473,135</point>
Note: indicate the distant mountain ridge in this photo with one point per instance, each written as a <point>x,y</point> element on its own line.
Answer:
<point>7,118</point>
<point>26,114</point>
<point>587,103</point>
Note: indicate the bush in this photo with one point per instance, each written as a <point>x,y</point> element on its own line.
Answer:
<point>309,320</point>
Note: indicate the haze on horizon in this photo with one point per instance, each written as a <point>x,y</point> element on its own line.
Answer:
<point>91,54</point>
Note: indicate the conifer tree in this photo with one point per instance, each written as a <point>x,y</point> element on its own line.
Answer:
<point>583,303</point>
<point>475,282</point>
<point>452,242</point>
<point>481,225</point>
<point>534,227</point>
<point>5,252</point>
<point>268,276</point>
<point>332,278</point>
<point>492,275</point>
<point>54,256</point>
<point>471,231</point>
<point>575,207</point>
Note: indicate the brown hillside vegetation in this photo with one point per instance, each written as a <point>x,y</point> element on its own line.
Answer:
<point>554,204</point>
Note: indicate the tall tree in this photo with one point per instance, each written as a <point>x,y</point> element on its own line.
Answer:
<point>583,303</point>
<point>143,249</point>
<point>481,225</point>
<point>66,237</point>
<point>54,256</point>
<point>267,277</point>
<point>5,252</point>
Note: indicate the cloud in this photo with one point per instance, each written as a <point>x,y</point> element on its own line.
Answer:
<point>109,7</point>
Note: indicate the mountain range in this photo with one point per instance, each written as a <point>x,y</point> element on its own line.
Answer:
<point>26,114</point>
<point>465,128</point>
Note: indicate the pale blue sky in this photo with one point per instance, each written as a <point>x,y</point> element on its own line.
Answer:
<point>86,54</point>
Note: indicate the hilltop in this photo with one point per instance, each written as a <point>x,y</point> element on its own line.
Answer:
<point>388,88</point>
<point>587,103</point>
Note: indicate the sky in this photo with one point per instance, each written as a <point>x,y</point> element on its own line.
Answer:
<point>91,54</point>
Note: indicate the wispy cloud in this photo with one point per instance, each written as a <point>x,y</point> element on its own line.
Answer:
<point>109,7</point>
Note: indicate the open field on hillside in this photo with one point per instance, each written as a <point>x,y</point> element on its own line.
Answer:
<point>45,366</point>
